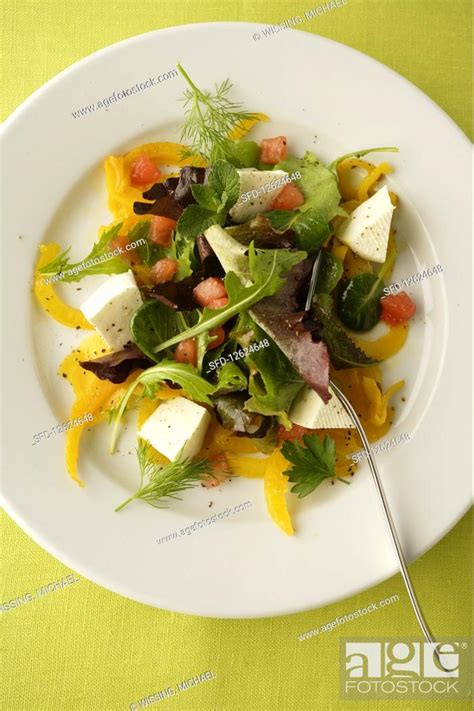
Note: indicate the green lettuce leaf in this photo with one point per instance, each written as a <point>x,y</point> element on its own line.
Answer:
<point>273,382</point>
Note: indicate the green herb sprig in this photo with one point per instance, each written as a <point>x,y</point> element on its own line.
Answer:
<point>159,483</point>
<point>210,119</point>
<point>312,463</point>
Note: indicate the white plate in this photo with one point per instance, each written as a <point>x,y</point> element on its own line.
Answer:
<point>325,97</point>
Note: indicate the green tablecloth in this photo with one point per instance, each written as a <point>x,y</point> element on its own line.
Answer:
<point>77,647</point>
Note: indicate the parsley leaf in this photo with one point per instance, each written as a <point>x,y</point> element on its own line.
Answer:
<point>312,464</point>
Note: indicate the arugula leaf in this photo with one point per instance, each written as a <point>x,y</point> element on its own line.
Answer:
<point>330,272</point>
<point>161,482</point>
<point>181,373</point>
<point>312,464</point>
<point>77,271</point>
<point>214,201</point>
<point>359,154</point>
<point>273,382</point>
<point>266,268</point>
<point>152,324</point>
<point>224,181</point>
<point>359,302</point>
<point>343,351</point>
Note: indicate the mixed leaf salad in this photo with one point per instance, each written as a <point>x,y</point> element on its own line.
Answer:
<point>201,321</point>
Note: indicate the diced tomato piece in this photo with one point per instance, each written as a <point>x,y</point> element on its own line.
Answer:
<point>220,468</point>
<point>164,270</point>
<point>209,290</point>
<point>161,229</point>
<point>121,242</point>
<point>273,150</point>
<point>186,351</point>
<point>144,171</point>
<point>219,337</point>
<point>397,308</point>
<point>288,198</point>
<point>296,432</point>
<point>218,303</point>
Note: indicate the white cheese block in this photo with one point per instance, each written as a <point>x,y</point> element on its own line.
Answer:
<point>309,410</point>
<point>260,182</point>
<point>367,230</point>
<point>110,308</point>
<point>231,254</point>
<point>177,427</point>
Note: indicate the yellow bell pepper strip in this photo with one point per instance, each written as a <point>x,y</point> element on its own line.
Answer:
<point>346,179</point>
<point>47,297</point>
<point>275,486</point>
<point>242,129</point>
<point>121,193</point>
<point>387,345</point>
<point>378,401</point>
<point>92,396</point>
<point>247,467</point>
<point>366,188</point>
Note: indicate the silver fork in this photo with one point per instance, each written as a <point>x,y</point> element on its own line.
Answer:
<point>378,484</point>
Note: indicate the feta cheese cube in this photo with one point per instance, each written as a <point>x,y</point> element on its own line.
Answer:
<point>258,188</point>
<point>110,308</point>
<point>367,229</point>
<point>309,410</point>
<point>177,427</point>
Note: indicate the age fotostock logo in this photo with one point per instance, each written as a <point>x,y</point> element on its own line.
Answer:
<point>401,668</point>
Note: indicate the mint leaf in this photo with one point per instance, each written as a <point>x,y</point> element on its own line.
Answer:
<point>312,464</point>
<point>205,197</point>
<point>224,178</point>
<point>215,200</point>
<point>196,219</point>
